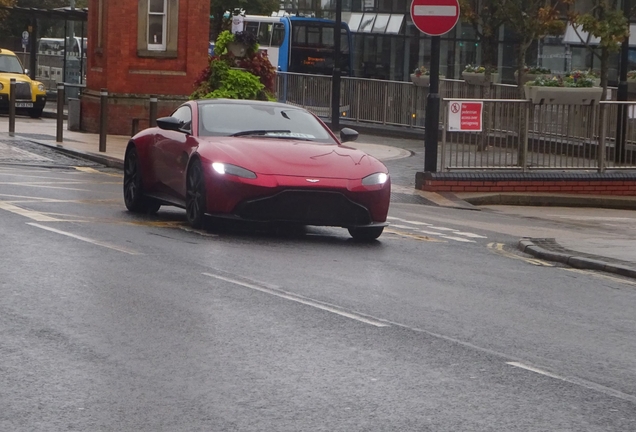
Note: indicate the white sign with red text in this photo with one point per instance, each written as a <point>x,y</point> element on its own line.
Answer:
<point>464,116</point>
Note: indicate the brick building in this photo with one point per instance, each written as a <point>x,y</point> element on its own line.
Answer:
<point>142,48</point>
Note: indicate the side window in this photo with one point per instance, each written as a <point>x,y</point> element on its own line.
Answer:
<point>185,115</point>
<point>278,34</point>
<point>264,34</point>
<point>252,27</point>
<point>157,30</point>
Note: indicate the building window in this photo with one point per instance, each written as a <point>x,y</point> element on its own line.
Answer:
<point>157,14</point>
<point>158,28</point>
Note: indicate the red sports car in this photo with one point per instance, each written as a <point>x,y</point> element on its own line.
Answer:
<point>258,161</point>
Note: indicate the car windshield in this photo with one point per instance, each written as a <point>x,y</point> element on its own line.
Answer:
<point>10,64</point>
<point>261,120</point>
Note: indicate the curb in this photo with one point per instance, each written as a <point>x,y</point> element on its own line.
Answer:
<point>108,161</point>
<point>581,262</point>
<point>549,200</point>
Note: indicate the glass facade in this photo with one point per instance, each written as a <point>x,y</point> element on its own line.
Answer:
<point>386,44</point>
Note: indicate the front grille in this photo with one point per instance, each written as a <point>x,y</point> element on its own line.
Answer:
<point>22,91</point>
<point>307,207</point>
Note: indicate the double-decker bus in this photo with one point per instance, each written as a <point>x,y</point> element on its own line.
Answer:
<point>301,44</point>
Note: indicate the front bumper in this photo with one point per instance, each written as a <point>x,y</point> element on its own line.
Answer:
<point>40,102</point>
<point>336,202</point>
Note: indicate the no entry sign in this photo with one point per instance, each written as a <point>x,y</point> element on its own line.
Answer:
<point>465,116</point>
<point>435,17</point>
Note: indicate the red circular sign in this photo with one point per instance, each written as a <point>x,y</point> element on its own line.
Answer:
<point>435,17</point>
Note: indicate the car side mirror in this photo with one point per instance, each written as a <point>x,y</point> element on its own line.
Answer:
<point>348,134</point>
<point>169,123</point>
<point>26,71</point>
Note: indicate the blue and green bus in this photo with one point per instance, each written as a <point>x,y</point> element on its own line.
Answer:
<point>301,44</point>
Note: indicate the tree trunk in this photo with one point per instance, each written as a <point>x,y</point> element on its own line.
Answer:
<point>217,23</point>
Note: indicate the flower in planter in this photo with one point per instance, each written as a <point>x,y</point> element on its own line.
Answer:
<point>579,79</point>
<point>542,81</point>
<point>421,71</point>
<point>536,70</point>
<point>474,69</point>
<point>631,75</point>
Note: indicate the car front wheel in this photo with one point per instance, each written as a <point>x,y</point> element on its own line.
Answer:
<point>195,195</point>
<point>366,234</point>
<point>134,198</point>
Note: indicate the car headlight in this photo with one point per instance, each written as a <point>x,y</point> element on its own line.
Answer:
<point>223,168</point>
<point>375,179</point>
<point>41,87</point>
<point>1,86</point>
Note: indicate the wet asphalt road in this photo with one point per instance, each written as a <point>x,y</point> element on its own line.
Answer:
<point>111,321</point>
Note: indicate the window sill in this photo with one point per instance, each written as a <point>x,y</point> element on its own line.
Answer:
<point>157,54</point>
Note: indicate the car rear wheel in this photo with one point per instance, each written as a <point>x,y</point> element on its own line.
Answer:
<point>366,234</point>
<point>195,195</point>
<point>134,198</point>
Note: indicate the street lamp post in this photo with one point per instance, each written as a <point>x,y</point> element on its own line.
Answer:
<point>335,78</point>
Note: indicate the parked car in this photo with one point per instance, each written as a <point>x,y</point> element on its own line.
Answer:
<point>30,95</point>
<point>258,161</point>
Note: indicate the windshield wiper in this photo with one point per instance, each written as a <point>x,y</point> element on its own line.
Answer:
<point>258,132</point>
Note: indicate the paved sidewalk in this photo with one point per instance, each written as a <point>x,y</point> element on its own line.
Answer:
<point>404,157</point>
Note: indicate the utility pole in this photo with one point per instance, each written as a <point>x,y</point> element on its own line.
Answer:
<point>335,78</point>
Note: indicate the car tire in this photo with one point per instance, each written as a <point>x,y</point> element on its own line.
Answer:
<point>195,195</point>
<point>366,234</point>
<point>36,112</point>
<point>134,198</point>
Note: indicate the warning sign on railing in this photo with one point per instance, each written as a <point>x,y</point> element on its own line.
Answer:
<point>465,116</point>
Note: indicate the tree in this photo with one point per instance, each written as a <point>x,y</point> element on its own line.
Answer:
<point>606,22</point>
<point>532,20</point>
<point>253,7</point>
<point>486,17</point>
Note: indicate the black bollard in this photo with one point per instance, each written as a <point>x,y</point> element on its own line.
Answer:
<point>12,87</point>
<point>59,137</point>
<point>103,120</point>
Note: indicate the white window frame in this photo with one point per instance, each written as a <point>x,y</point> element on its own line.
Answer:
<point>164,14</point>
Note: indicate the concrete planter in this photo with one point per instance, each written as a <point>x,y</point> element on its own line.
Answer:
<point>237,49</point>
<point>421,81</point>
<point>631,86</point>
<point>479,79</point>
<point>563,95</point>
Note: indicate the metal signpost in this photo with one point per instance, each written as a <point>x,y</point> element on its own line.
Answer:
<point>434,18</point>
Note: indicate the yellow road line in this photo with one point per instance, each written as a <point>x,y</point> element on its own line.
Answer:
<point>33,215</point>
<point>90,170</point>
<point>498,248</point>
<point>599,275</point>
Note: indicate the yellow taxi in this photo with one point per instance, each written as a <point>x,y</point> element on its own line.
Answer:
<point>29,95</point>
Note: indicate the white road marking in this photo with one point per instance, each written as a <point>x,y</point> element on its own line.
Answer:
<point>37,185</point>
<point>298,299</point>
<point>535,370</point>
<point>33,215</point>
<point>86,239</point>
<point>576,381</point>
<point>440,11</point>
<point>408,221</point>
<point>447,233</point>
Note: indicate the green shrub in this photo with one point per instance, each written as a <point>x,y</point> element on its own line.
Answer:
<point>238,84</point>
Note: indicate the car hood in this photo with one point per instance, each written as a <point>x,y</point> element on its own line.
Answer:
<point>271,156</point>
<point>18,77</point>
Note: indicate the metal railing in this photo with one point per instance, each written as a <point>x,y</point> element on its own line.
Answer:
<point>365,100</point>
<point>518,135</point>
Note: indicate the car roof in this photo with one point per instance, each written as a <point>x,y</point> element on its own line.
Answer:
<point>7,52</point>
<point>246,102</point>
